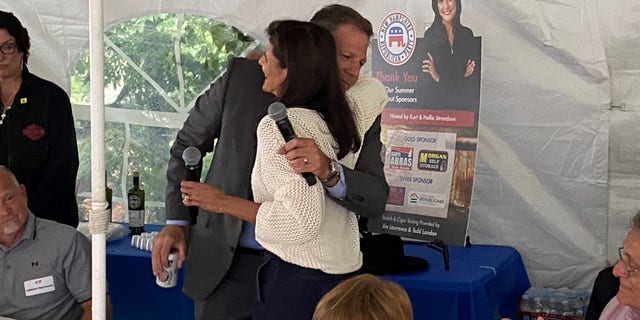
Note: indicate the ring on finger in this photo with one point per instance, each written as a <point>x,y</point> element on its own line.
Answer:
<point>305,160</point>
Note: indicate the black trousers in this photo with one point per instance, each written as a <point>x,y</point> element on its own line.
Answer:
<point>287,291</point>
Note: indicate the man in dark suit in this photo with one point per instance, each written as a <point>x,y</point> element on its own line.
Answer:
<point>223,256</point>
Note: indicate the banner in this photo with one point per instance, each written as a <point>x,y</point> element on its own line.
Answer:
<point>430,124</point>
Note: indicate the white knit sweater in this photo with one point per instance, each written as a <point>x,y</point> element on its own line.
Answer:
<point>299,223</point>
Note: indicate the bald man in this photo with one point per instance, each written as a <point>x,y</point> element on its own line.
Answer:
<point>46,266</point>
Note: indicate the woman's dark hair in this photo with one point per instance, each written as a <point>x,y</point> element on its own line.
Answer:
<point>308,51</point>
<point>437,19</point>
<point>13,26</point>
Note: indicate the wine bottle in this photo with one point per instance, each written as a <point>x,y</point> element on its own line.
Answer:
<point>108,193</point>
<point>135,199</point>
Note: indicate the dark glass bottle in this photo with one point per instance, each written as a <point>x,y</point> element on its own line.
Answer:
<point>135,199</point>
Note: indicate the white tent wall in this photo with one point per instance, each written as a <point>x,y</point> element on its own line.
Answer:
<point>541,178</point>
<point>620,26</point>
<point>557,174</point>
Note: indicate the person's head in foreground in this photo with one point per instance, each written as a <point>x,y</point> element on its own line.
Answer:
<point>365,297</point>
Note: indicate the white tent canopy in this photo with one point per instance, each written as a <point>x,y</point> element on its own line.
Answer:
<point>558,170</point>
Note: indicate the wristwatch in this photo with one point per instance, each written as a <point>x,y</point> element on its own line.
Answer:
<point>334,173</point>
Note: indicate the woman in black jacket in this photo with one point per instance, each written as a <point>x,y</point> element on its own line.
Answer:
<point>37,133</point>
<point>452,54</point>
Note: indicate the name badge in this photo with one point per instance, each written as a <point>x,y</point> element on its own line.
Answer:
<point>39,286</point>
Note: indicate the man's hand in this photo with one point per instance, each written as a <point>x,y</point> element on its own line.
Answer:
<point>305,156</point>
<point>170,237</point>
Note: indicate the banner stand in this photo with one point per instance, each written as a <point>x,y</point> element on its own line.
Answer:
<point>437,245</point>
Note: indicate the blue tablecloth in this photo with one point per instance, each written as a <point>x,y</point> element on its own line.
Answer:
<point>132,287</point>
<point>483,281</point>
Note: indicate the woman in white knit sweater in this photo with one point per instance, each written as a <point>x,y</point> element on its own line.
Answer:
<point>312,242</point>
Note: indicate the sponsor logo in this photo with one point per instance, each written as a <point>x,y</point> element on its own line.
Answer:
<point>433,160</point>
<point>401,158</point>
<point>396,38</point>
<point>431,200</point>
<point>396,195</point>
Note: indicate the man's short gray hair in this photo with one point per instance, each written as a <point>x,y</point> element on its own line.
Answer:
<point>333,16</point>
<point>635,222</point>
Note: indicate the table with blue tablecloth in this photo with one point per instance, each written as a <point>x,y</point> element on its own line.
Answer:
<point>132,287</point>
<point>483,281</point>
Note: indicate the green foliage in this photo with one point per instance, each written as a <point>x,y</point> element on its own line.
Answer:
<point>181,54</point>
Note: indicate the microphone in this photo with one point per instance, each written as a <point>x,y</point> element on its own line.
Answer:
<point>191,157</point>
<point>278,112</point>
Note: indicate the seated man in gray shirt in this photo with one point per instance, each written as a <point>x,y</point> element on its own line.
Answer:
<point>46,266</point>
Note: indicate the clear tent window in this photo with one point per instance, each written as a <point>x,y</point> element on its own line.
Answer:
<point>155,68</point>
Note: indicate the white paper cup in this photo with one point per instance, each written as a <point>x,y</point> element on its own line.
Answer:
<point>169,278</point>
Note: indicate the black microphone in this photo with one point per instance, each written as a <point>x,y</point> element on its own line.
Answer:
<point>278,112</point>
<point>191,157</point>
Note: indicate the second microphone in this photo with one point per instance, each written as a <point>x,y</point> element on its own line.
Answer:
<point>191,157</point>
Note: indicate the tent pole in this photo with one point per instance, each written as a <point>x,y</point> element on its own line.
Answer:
<point>98,220</point>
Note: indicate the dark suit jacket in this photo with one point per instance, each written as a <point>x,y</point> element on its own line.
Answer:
<point>229,111</point>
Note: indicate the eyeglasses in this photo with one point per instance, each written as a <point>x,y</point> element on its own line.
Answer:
<point>8,48</point>
<point>631,269</point>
